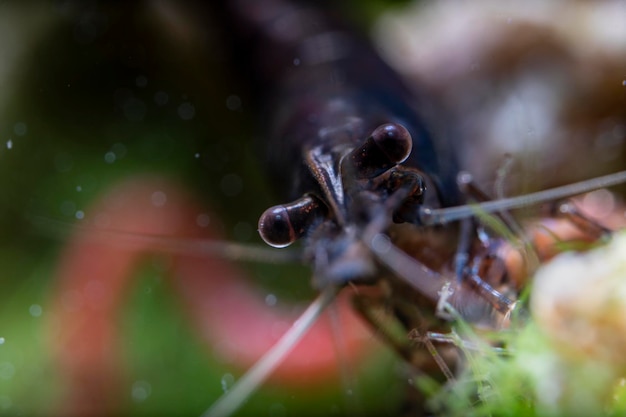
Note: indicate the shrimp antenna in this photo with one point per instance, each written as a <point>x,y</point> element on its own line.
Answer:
<point>429,217</point>
<point>421,278</point>
<point>228,403</point>
<point>185,246</point>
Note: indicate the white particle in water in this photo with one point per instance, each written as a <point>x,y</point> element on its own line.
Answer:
<point>197,155</point>
<point>79,188</point>
<point>161,98</point>
<point>140,391</point>
<point>233,102</point>
<point>35,310</point>
<point>141,81</point>
<point>79,215</point>
<point>5,402</point>
<point>296,61</point>
<point>109,157</point>
<point>227,381</point>
<point>20,128</point>
<point>119,150</point>
<point>63,162</point>
<point>203,220</point>
<point>9,144</point>
<point>68,208</point>
<point>186,111</point>
<point>2,339</point>
<point>102,220</point>
<point>134,109</point>
<point>381,244</point>
<point>7,370</point>
<point>270,300</point>
<point>277,410</point>
<point>158,198</point>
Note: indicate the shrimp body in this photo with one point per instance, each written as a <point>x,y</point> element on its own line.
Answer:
<point>321,84</point>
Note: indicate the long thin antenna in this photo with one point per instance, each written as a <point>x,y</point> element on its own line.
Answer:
<point>171,244</point>
<point>445,215</point>
<point>228,403</point>
<point>426,281</point>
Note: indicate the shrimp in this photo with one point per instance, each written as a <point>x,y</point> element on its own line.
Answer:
<point>362,159</point>
<point>433,254</point>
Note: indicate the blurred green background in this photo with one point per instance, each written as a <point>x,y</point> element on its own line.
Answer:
<point>93,93</point>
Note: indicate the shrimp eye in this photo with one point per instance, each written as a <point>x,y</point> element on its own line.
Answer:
<point>280,226</point>
<point>413,182</point>
<point>387,146</point>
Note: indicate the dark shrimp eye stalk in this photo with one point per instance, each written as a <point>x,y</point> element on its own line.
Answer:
<point>356,190</point>
<point>346,140</point>
<point>324,90</point>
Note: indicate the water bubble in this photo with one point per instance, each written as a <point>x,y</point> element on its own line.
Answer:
<point>119,149</point>
<point>271,300</point>
<point>186,111</point>
<point>158,198</point>
<point>203,220</point>
<point>231,184</point>
<point>109,157</point>
<point>72,301</point>
<point>63,162</point>
<point>121,96</point>
<point>35,310</point>
<point>9,144</point>
<point>140,391</point>
<point>227,381</point>
<point>95,292</point>
<point>381,244</point>
<point>277,410</point>
<point>79,215</point>
<point>233,102</point>
<point>20,128</point>
<point>161,98</point>
<point>134,109</point>
<point>7,370</point>
<point>102,220</point>
<point>68,208</point>
<point>141,81</point>
<point>5,402</point>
